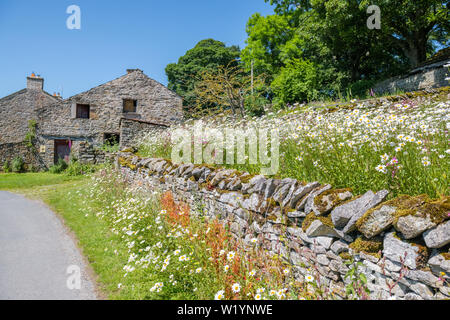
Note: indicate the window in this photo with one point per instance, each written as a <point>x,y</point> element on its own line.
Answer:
<point>83,111</point>
<point>111,139</point>
<point>129,105</point>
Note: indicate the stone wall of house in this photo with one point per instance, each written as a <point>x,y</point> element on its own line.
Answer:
<point>17,109</point>
<point>132,130</point>
<point>427,77</point>
<point>9,151</point>
<point>405,253</point>
<point>154,103</point>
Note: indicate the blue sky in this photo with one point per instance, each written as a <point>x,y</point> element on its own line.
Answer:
<point>114,36</point>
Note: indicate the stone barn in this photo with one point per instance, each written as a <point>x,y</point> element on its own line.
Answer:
<point>115,112</point>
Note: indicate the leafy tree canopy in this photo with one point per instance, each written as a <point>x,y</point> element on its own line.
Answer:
<point>272,42</point>
<point>407,25</point>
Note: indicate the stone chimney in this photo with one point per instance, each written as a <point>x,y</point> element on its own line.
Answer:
<point>35,82</point>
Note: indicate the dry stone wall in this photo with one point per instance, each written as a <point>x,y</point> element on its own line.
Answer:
<point>402,243</point>
<point>427,77</point>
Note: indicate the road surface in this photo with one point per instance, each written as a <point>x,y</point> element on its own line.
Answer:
<point>38,258</point>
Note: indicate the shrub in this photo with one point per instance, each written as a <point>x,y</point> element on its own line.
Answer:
<point>76,168</point>
<point>32,168</point>
<point>59,167</point>
<point>6,167</point>
<point>255,105</point>
<point>31,134</point>
<point>361,88</point>
<point>110,146</point>
<point>297,82</point>
<point>18,165</point>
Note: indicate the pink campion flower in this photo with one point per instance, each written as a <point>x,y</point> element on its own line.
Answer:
<point>393,161</point>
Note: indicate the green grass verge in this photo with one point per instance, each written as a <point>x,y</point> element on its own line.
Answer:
<point>15,181</point>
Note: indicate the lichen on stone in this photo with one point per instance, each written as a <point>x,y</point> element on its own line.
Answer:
<point>330,198</point>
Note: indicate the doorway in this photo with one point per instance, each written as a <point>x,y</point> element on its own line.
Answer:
<point>62,150</point>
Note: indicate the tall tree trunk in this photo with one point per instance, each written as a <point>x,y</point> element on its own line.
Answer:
<point>417,48</point>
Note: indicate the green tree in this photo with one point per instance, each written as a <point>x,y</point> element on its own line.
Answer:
<point>208,54</point>
<point>297,82</point>
<point>272,42</point>
<point>406,25</point>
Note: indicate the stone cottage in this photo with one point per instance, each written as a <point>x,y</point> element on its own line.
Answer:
<point>127,105</point>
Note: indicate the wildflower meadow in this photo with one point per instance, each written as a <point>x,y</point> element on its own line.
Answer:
<point>401,146</point>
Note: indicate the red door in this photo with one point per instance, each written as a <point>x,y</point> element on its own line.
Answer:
<point>62,150</point>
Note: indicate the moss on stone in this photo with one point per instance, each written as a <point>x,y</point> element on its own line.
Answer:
<point>367,246</point>
<point>128,150</point>
<point>247,178</point>
<point>446,255</point>
<point>124,162</point>
<point>310,218</point>
<point>222,191</point>
<point>401,203</point>
<point>345,255</point>
<point>423,254</point>
<point>287,210</point>
<point>272,203</point>
<point>435,210</point>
